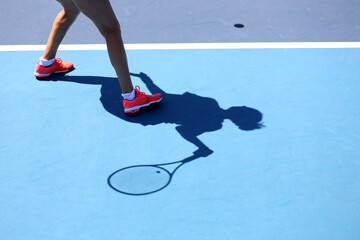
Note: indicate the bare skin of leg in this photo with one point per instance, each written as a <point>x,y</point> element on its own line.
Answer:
<point>103,16</point>
<point>61,25</point>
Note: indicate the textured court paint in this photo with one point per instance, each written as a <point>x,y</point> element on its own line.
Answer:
<point>296,178</point>
<point>158,21</point>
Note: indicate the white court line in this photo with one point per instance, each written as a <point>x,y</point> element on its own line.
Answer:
<point>166,46</point>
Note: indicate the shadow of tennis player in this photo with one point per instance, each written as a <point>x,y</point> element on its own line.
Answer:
<point>193,114</point>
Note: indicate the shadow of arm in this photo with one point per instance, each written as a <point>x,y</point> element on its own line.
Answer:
<point>189,135</point>
<point>153,88</point>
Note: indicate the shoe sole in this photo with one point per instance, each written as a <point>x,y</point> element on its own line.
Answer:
<point>137,108</point>
<point>45,76</point>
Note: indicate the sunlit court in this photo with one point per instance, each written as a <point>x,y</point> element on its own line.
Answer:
<point>256,134</point>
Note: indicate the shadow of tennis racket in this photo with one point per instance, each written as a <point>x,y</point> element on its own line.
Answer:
<point>145,179</point>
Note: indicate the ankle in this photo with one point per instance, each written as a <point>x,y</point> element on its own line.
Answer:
<point>46,62</point>
<point>129,96</point>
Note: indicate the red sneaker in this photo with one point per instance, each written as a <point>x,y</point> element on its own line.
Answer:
<point>58,66</point>
<point>141,100</point>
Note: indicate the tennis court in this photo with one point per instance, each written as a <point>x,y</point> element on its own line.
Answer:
<point>257,135</point>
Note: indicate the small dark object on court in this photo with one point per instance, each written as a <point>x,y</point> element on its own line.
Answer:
<point>239,25</point>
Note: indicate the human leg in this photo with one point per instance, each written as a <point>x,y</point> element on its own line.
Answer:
<point>103,16</point>
<point>48,65</point>
<point>61,25</point>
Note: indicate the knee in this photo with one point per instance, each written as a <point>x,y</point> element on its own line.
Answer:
<point>70,10</point>
<point>110,29</point>
<point>71,14</point>
<point>66,18</point>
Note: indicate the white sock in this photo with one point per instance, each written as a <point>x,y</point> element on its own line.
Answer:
<point>129,96</point>
<point>46,63</point>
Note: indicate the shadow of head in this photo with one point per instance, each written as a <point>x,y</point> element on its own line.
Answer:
<point>245,118</point>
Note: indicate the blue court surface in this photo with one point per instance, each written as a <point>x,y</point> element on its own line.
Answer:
<point>285,162</point>
<point>247,143</point>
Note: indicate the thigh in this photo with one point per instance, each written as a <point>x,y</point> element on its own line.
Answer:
<point>69,6</point>
<point>99,11</point>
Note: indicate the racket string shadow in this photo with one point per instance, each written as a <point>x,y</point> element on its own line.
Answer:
<point>140,180</point>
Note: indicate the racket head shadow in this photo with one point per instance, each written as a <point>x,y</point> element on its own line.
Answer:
<point>140,179</point>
